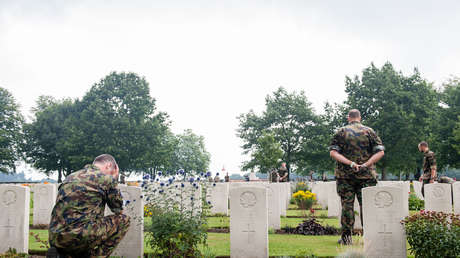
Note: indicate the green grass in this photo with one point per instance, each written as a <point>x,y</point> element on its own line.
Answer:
<point>279,245</point>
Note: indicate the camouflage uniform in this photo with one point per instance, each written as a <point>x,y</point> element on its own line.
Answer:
<point>282,172</point>
<point>274,177</point>
<point>429,162</point>
<point>357,143</point>
<point>78,226</point>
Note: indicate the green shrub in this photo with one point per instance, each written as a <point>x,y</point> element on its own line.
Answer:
<point>433,234</point>
<point>178,212</point>
<point>301,186</point>
<point>415,204</point>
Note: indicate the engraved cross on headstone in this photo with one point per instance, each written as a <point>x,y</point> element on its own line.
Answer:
<point>249,231</point>
<point>386,235</point>
<point>8,227</point>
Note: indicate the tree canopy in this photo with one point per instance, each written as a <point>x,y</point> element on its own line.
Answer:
<point>11,135</point>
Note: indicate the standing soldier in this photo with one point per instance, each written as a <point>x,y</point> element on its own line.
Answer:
<point>429,166</point>
<point>356,148</point>
<point>78,226</point>
<point>283,173</point>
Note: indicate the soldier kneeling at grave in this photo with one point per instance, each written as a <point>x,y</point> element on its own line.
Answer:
<point>78,227</point>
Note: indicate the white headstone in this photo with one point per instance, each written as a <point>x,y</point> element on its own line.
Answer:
<point>274,212</point>
<point>333,200</point>
<point>288,193</point>
<point>219,198</point>
<point>132,245</point>
<point>456,191</point>
<point>283,202</point>
<point>418,189</point>
<point>383,210</point>
<point>321,194</point>
<point>44,199</point>
<point>438,197</point>
<point>14,218</point>
<point>404,185</point>
<point>248,222</point>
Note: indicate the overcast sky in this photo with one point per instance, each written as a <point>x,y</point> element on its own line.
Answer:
<point>209,61</point>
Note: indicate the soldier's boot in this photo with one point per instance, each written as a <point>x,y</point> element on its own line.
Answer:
<point>345,239</point>
<point>53,252</point>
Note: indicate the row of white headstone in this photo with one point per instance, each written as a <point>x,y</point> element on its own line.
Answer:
<point>250,203</point>
<point>438,196</point>
<point>14,217</point>
<point>383,209</point>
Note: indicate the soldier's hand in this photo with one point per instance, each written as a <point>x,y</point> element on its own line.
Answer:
<point>356,167</point>
<point>420,179</point>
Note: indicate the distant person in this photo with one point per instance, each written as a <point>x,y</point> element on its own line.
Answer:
<point>283,173</point>
<point>217,178</point>
<point>78,226</point>
<point>274,176</point>
<point>429,165</point>
<point>227,178</point>
<point>356,148</point>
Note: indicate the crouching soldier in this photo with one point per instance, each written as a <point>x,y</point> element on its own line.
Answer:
<point>78,227</point>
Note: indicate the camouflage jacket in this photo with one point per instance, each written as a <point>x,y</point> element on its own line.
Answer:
<point>357,143</point>
<point>81,200</point>
<point>282,172</point>
<point>429,162</point>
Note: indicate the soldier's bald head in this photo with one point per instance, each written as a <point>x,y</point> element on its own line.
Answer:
<point>105,159</point>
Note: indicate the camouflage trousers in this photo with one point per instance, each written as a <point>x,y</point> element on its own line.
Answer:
<point>98,238</point>
<point>424,182</point>
<point>347,190</point>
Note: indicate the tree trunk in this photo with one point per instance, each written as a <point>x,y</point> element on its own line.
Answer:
<point>384,173</point>
<point>60,175</point>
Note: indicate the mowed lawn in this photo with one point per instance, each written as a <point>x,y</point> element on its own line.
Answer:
<point>279,245</point>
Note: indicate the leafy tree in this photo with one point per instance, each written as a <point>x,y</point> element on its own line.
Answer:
<point>190,153</point>
<point>400,108</point>
<point>48,136</point>
<point>315,155</point>
<point>266,155</point>
<point>443,140</point>
<point>118,116</point>
<point>11,135</point>
<point>457,136</point>
<point>289,117</point>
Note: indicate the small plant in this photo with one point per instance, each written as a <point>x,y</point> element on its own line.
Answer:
<point>12,253</point>
<point>178,212</point>
<point>415,204</point>
<point>304,199</point>
<point>433,234</point>
<point>301,186</point>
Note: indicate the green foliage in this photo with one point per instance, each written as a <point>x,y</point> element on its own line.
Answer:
<point>48,136</point>
<point>117,116</point>
<point>12,253</point>
<point>433,234</point>
<point>456,135</point>
<point>178,213</point>
<point>289,117</point>
<point>415,204</point>
<point>11,135</point>
<point>267,154</point>
<point>301,186</point>
<point>190,153</point>
<point>445,139</point>
<point>399,108</point>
